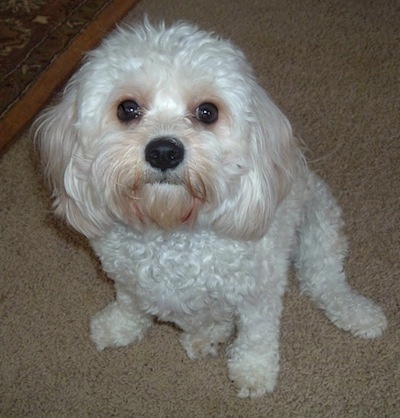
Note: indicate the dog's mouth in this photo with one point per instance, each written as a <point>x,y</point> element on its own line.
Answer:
<point>169,198</point>
<point>165,203</point>
<point>165,178</point>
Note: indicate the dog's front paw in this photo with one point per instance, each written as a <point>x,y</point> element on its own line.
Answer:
<point>252,377</point>
<point>115,327</point>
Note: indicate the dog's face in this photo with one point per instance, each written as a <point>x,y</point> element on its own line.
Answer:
<point>166,128</point>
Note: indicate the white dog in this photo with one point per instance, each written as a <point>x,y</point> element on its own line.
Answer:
<point>166,153</point>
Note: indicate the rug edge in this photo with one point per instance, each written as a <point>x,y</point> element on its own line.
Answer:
<point>36,97</point>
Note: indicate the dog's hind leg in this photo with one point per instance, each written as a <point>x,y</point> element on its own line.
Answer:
<point>319,258</point>
<point>205,342</point>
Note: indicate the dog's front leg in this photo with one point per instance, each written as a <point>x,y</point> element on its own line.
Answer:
<point>254,355</point>
<point>120,323</point>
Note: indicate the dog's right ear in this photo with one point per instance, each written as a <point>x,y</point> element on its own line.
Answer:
<point>56,136</point>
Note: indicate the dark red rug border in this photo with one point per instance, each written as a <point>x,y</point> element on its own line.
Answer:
<point>50,81</point>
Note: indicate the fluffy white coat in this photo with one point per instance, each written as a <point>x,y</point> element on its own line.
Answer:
<point>203,238</point>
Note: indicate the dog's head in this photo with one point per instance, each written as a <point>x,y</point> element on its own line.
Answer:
<point>167,128</point>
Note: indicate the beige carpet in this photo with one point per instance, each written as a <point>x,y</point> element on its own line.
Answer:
<point>334,69</point>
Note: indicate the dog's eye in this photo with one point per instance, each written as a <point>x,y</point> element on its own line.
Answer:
<point>207,113</point>
<point>128,110</point>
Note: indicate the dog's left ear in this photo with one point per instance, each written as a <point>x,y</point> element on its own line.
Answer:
<point>272,164</point>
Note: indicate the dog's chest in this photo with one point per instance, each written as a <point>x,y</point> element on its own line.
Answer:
<point>181,272</point>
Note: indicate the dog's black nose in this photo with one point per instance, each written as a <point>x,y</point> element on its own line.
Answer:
<point>164,153</point>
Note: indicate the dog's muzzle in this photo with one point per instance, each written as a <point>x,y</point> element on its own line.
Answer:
<point>164,153</point>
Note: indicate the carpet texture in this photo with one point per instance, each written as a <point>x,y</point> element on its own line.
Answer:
<point>333,67</point>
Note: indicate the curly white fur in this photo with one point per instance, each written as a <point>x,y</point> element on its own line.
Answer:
<point>205,242</point>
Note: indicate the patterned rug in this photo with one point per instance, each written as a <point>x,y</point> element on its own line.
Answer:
<point>41,43</point>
